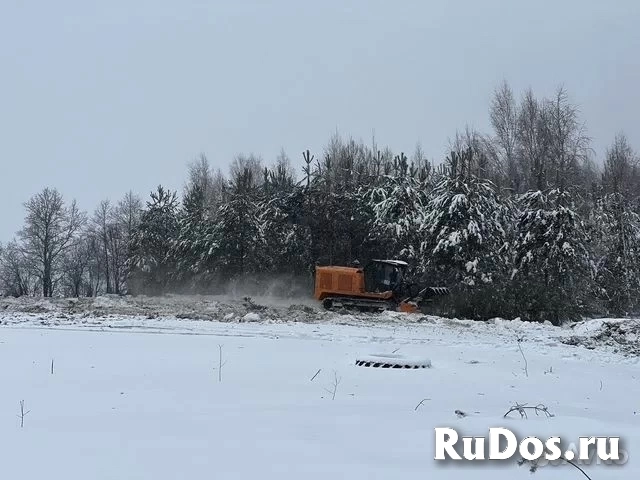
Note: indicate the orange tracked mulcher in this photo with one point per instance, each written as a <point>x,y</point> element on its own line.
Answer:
<point>380,285</point>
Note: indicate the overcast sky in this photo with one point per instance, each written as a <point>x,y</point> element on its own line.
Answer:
<point>101,97</point>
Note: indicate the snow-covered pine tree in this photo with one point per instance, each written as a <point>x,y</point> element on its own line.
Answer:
<point>330,210</point>
<point>237,239</point>
<point>616,230</point>
<point>285,242</point>
<point>463,239</point>
<point>397,204</point>
<point>553,269</point>
<point>616,227</point>
<point>335,223</point>
<point>191,248</point>
<point>150,260</point>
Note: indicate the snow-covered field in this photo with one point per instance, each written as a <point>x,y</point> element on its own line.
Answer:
<point>135,391</point>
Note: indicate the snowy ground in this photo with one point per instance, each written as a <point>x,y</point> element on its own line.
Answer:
<point>135,391</point>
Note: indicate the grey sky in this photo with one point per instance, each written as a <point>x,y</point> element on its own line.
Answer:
<point>101,97</point>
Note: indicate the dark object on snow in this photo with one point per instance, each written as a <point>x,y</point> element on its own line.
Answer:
<point>392,361</point>
<point>251,305</point>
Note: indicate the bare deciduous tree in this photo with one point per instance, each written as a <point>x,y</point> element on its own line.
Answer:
<point>109,226</point>
<point>283,165</point>
<point>50,228</point>
<point>569,144</point>
<point>128,212</point>
<point>621,168</point>
<point>94,266</point>
<point>552,147</point>
<point>117,248</point>
<point>201,176</point>
<point>16,278</point>
<point>533,141</point>
<point>75,266</point>
<point>419,157</point>
<point>100,225</point>
<point>247,163</point>
<point>504,120</point>
<point>471,141</point>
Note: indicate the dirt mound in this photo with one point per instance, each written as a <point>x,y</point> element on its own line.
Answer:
<point>184,307</point>
<point>622,335</point>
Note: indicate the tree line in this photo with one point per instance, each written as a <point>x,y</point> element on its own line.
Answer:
<point>519,221</point>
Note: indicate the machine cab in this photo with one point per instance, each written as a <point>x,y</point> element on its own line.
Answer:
<point>384,275</point>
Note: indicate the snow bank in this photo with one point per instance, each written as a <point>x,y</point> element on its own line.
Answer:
<point>148,313</point>
<point>621,335</point>
<point>251,317</point>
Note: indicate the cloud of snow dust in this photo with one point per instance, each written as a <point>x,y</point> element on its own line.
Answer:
<point>273,290</point>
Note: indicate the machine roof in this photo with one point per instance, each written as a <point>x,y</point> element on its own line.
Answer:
<point>398,263</point>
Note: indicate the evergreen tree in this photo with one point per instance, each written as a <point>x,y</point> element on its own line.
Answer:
<point>191,249</point>
<point>617,253</point>
<point>285,241</point>
<point>150,256</point>
<point>238,231</point>
<point>397,205</point>
<point>553,268</point>
<point>464,244</point>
